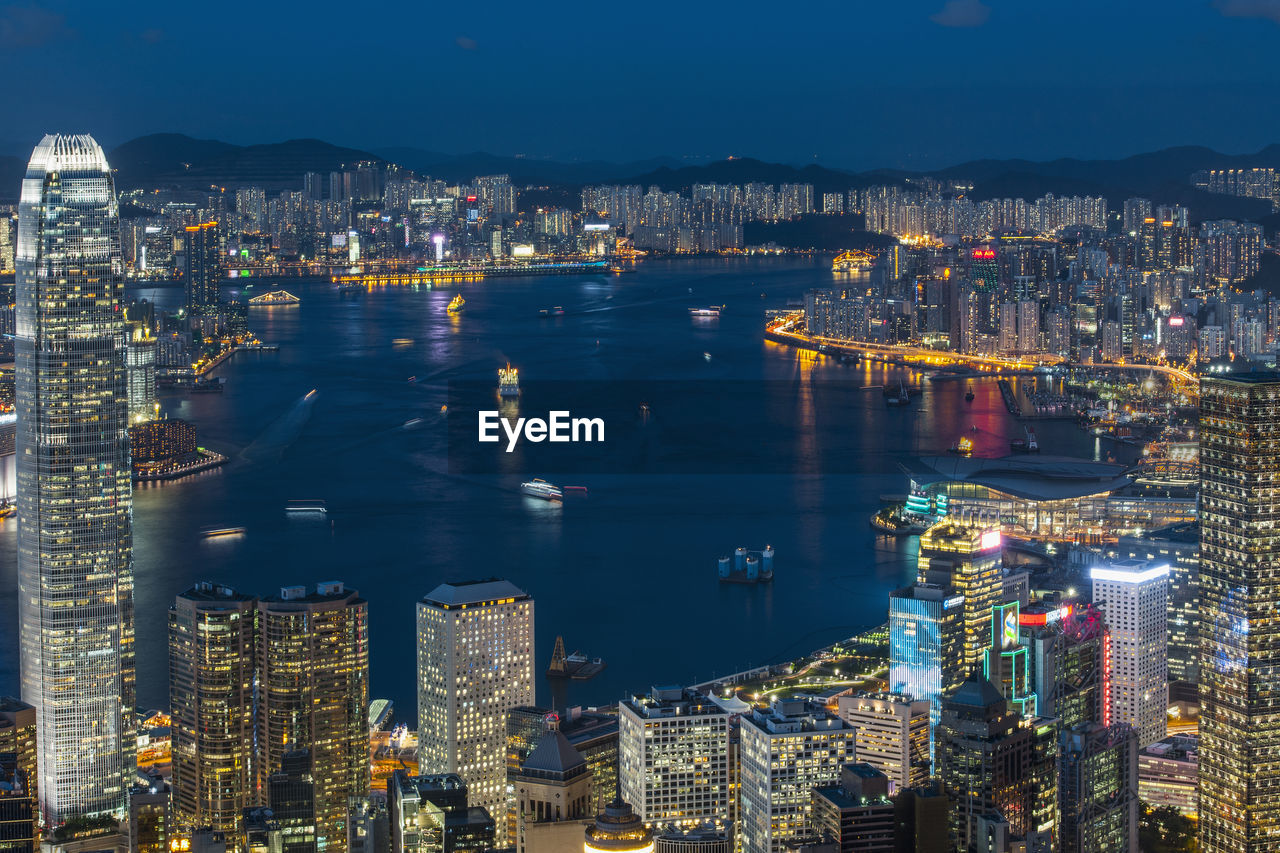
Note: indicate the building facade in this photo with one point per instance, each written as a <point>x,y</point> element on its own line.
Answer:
<point>1134,598</point>
<point>75,548</point>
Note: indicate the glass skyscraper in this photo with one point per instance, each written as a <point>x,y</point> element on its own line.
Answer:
<point>1240,627</point>
<point>75,575</point>
<point>926,637</point>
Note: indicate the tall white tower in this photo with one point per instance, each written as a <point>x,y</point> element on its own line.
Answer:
<point>75,575</point>
<point>1134,597</point>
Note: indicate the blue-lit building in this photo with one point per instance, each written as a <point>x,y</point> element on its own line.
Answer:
<point>926,640</point>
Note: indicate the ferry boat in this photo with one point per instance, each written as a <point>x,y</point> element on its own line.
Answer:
<point>508,381</point>
<point>710,311</point>
<point>275,297</point>
<point>963,447</point>
<point>456,304</point>
<point>556,311</point>
<point>216,532</point>
<point>306,506</point>
<point>542,489</point>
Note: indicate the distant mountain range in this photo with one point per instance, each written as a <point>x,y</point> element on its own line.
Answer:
<point>181,162</point>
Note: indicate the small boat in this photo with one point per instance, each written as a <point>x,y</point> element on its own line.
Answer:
<point>306,506</point>
<point>542,489</point>
<point>968,395</point>
<point>413,422</point>
<point>899,398</point>
<point>963,447</point>
<point>456,304</point>
<point>707,356</point>
<point>1025,445</point>
<point>555,311</point>
<point>711,311</point>
<point>217,532</point>
<point>351,289</point>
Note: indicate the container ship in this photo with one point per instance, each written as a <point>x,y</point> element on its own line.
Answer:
<point>508,381</point>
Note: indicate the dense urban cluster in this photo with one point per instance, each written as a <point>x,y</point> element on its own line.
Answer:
<point>1037,704</point>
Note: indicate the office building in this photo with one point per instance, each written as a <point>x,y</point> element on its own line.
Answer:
<point>673,756</point>
<point>926,638</point>
<point>1239,629</point>
<point>291,795</point>
<point>785,752</point>
<point>857,813</point>
<point>151,816</point>
<point>993,760</point>
<point>313,694</point>
<point>1067,645</point>
<point>1133,596</point>
<point>368,826</point>
<point>18,808</point>
<point>1168,772</point>
<point>429,814</point>
<point>475,663</point>
<point>891,735</point>
<point>18,739</point>
<point>922,819</point>
<point>964,559</point>
<point>75,550</point>
<point>213,646</point>
<point>1098,788</point>
<point>1179,546</point>
<point>553,795</point>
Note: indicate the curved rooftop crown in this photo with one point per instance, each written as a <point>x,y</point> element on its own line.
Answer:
<point>59,152</point>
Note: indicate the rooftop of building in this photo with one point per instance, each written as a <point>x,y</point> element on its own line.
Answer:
<point>672,701</point>
<point>324,593</point>
<point>1030,476</point>
<point>462,593</point>
<point>1175,748</point>
<point>794,716</point>
<point>215,593</point>
<point>554,755</point>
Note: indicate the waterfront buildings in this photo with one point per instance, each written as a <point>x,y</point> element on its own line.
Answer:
<point>313,694</point>
<point>673,756</point>
<point>1133,596</point>
<point>213,657</point>
<point>1239,629</point>
<point>75,575</point>
<point>785,751</point>
<point>1098,788</point>
<point>891,735</point>
<point>475,663</point>
<point>994,761</point>
<point>964,559</point>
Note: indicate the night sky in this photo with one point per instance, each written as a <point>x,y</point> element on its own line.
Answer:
<point>854,84</point>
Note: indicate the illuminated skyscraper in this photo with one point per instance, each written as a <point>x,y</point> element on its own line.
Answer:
<point>213,635</point>
<point>926,634</point>
<point>313,694</point>
<point>203,272</point>
<point>1133,596</point>
<point>75,549</point>
<point>964,559</point>
<point>1240,627</point>
<point>475,663</point>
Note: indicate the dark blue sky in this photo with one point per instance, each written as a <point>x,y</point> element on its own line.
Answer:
<point>853,84</point>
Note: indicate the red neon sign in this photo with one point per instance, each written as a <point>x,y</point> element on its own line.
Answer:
<point>984,254</point>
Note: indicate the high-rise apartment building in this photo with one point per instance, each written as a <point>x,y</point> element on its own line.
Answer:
<point>785,752</point>
<point>75,548</point>
<point>213,647</point>
<point>202,275</point>
<point>1239,628</point>
<point>313,694</point>
<point>1133,596</point>
<point>964,558</point>
<point>673,756</point>
<point>891,735</point>
<point>475,663</point>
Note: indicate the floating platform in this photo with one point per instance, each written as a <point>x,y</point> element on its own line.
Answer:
<point>576,667</point>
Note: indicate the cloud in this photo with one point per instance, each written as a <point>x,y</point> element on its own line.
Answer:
<point>962,13</point>
<point>30,26</point>
<point>152,36</point>
<point>466,43</point>
<point>1268,9</point>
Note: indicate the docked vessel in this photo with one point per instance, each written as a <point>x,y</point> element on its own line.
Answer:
<point>508,381</point>
<point>900,397</point>
<point>275,297</point>
<point>542,489</point>
<point>963,447</point>
<point>306,506</point>
<point>456,304</point>
<point>710,311</point>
